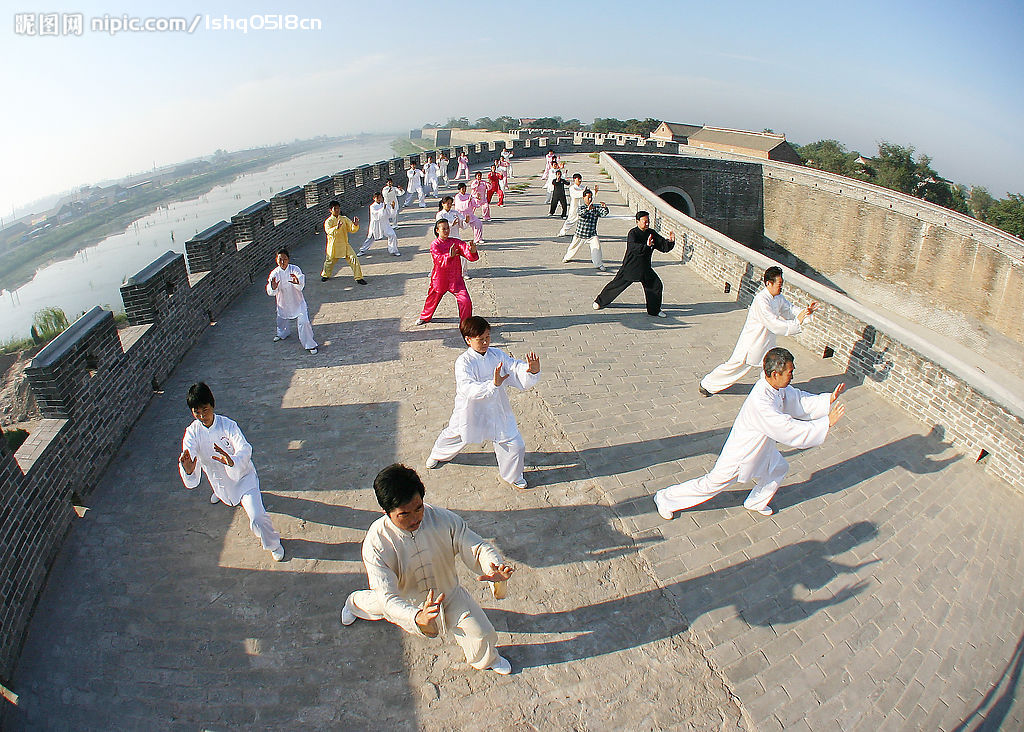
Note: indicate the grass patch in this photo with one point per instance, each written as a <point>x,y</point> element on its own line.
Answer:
<point>403,146</point>
<point>605,174</point>
<point>520,186</point>
<point>595,156</point>
<point>15,438</point>
<point>16,344</point>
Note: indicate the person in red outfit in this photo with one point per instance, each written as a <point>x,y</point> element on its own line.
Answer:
<point>495,180</point>
<point>447,273</point>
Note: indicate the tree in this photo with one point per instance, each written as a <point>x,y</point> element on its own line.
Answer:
<point>49,323</point>
<point>830,156</point>
<point>572,124</point>
<point>484,123</point>
<point>1008,214</point>
<point>461,123</point>
<point>896,169</point>
<point>980,201</point>
<point>548,123</point>
<point>642,127</point>
<point>506,123</point>
<point>606,125</point>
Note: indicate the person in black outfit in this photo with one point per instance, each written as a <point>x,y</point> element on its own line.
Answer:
<point>558,194</point>
<point>641,242</point>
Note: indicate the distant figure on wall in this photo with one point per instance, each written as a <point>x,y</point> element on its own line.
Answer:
<point>379,228</point>
<point>286,283</point>
<point>770,315</point>
<point>575,199</point>
<point>415,185</point>
<point>217,446</point>
<point>338,228</point>
<point>430,173</point>
<point>463,169</point>
<point>442,168</point>
<point>391,192</point>
<point>558,186</point>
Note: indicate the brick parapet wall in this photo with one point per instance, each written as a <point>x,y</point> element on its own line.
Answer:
<point>976,414</point>
<point>93,383</point>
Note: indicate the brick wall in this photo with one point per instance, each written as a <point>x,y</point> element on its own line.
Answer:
<point>974,413</point>
<point>93,382</point>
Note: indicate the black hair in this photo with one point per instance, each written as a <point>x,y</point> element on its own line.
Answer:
<point>641,214</point>
<point>391,180</point>
<point>284,251</point>
<point>771,274</point>
<point>199,395</point>
<point>396,485</point>
<point>462,186</point>
<point>775,361</point>
<point>588,192</point>
<point>332,204</point>
<point>577,175</point>
<point>473,327</point>
<point>438,223</point>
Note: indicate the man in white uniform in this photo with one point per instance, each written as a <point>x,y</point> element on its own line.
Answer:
<point>430,173</point>
<point>391,192</point>
<point>215,444</point>
<point>770,314</point>
<point>773,412</point>
<point>285,283</point>
<point>482,410</point>
<point>409,555</point>
<point>415,185</point>
<point>379,228</point>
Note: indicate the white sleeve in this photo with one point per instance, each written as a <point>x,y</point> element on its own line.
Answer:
<point>775,324</point>
<point>242,458</point>
<point>188,442</point>
<point>466,383</point>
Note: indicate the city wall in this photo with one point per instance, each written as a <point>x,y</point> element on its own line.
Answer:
<point>93,382</point>
<point>979,416</point>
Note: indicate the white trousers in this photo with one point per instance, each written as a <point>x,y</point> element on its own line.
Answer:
<point>725,375</point>
<point>408,197</point>
<point>463,618</point>
<point>284,329</point>
<point>259,519</point>
<point>696,491</point>
<point>392,238</point>
<point>511,453</point>
<point>595,249</point>
<point>572,216</point>
<point>463,171</point>
<point>432,187</point>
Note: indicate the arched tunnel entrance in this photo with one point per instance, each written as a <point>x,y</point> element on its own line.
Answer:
<point>678,199</point>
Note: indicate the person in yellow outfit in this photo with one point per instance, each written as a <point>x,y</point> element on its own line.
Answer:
<point>338,228</point>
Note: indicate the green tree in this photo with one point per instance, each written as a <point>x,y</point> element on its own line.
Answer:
<point>49,323</point>
<point>980,201</point>
<point>896,169</point>
<point>642,127</point>
<point>830,156</point>
<point>572,124</point>
<point>548,123</point>
<point>1008,214</point>
<point>506,123</point>
<point>461,123</point>
<point>606,125</point>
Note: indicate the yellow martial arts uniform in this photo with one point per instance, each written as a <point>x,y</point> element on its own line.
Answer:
<point>338,228</point>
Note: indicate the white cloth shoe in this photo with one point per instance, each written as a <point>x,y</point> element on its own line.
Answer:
<point>278,554</point>
<point>662,511</point>
<point>767,511</point>
<point>596,306</point>
<point>213,498</point>
<point>431,463</point>
<point>501,666</point>
<point>347,618</point>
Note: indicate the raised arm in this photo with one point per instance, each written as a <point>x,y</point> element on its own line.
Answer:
<point>777,325</point>
<point>190,446</point>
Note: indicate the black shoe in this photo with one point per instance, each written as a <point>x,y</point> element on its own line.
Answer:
<point>703,392</point>
<point>323,279</point>
<point>361,281</point>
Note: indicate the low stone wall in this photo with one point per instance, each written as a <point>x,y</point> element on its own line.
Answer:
<point>980,417</point>
<point>93,382</point>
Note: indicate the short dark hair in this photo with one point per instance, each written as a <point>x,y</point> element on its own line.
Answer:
<point>396,485</point>
<point>775,361</point>
<point>473,327</point>
<point>577,175</point>
<point>641,214</point>
<point>438,223</point>
<point>771,274</point>
<point>588,192</point>
<point>462,186</point>
<point>199,395</point>
<point>391,180</point>
<point>284,251</point>
<point>332,204</point>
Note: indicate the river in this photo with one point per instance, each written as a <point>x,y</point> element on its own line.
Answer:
<point>93,276</point>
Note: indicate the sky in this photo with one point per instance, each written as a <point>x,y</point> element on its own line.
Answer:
<point>943,77</point>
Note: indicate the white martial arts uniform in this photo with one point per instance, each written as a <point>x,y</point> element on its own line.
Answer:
<point>767,317</point>
<point>234,485</point>
<point>402,567</point>
<point>391,194</point>
<point>380,228</point>
<point>291,305</point>
<point>430,173</point>
<point>415,186</point>
<point>442,170</point>
<point>482,411</point>
<point>790,416</point>
<point>573,215</point>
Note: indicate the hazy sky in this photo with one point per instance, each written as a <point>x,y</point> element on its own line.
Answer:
<point>939,75</point>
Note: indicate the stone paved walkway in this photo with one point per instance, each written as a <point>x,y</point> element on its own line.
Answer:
<point>885,592</point>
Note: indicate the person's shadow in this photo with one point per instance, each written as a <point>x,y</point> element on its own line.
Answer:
<point>866,361</point>
<point>762,590</point>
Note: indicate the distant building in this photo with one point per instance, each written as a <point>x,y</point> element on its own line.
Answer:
<point>527,121</point>
<point>766,145</point>
<point>675,132</point>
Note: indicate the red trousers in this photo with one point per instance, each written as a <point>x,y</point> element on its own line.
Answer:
<point>501,194</point>
<point>435,294</point>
